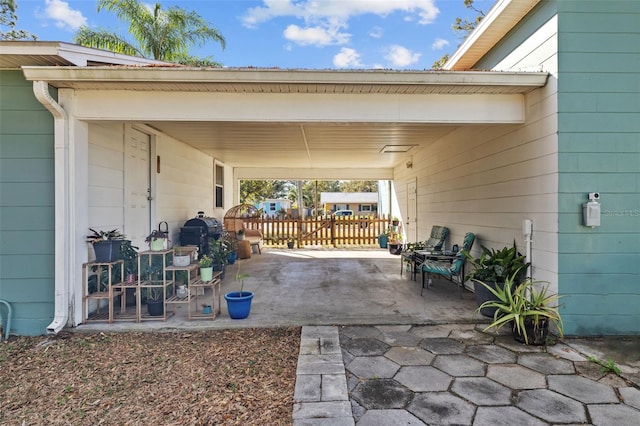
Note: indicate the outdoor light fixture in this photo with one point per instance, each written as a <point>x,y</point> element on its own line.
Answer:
<point>409,164</point>
<point>394,149</point>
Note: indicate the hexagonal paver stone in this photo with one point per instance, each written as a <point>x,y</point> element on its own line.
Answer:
<point>505,416</point>
<point>399,338</point>
<point>381,394</point>
<point>409,356</point>
<point>471,337</point>
<point>365,347</point>
<point>389,418</point>
<point>491,354</point>
<point>482,391</point>
<point>613,414</point>
<point>546,364</point>
<point>442,345</point>
<point>431,331</point>
<point>510,343</point>
<point>551,406</point>
<point>423,379</point>
<point>373,367</point>
<point>516,376</point>
<point>631,396</point>
<point>582,389</point>
<point>459,365</point>
<point>357,331</point>
<point>441,408</point>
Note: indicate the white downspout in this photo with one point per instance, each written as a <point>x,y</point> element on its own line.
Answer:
<point>63,252</point>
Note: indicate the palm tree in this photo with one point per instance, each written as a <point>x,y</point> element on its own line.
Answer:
<point>164,35</point>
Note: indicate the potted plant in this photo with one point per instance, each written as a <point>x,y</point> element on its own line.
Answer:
<point>218,251</point>
<point>527,308</point>
<point>383,239</point>
<point>395,221</point>
<point>181,256</point>
<point>493,267</point>
<point>240,234</point>
<point>106,244</point>
<point>158,239</point>
<point>395,242</point>
<point>154,296</point>
<point>239,302</point>
<point>206,268</point>
<point>290,242</point>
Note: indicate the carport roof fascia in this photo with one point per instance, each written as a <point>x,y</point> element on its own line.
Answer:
<point>285,80</point>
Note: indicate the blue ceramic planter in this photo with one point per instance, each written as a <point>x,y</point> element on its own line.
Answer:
<point>238,306</point>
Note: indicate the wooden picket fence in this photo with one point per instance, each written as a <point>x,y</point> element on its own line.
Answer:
<point>327,231</point>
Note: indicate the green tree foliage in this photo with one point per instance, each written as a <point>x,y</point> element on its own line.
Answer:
<point>164,35</point>
<point>9,19</point>
<point>463,27</point>
<point>360,186</point>
<point>254,191</point>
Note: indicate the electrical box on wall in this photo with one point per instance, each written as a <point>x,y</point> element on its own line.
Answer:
<point>591,210</point>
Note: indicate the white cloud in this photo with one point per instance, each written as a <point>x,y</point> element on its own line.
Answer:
<point>334,15</point>
<point>316,36</point>
<point>347,58</point>
<point>376,32</point>
<point>439,44</point>
<point>64,17</point>
<point>400,56</point>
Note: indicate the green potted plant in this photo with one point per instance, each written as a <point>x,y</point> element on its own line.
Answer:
<point>527,308</point>
<point>106,244</point>
<point>383,239</point>
<point>154,296</point>
<point>239,302</point>
<point>493,268</point>
<point>395,242</point>
<point>158,239</point>
<point>206,268</point>
<point>219,252</point>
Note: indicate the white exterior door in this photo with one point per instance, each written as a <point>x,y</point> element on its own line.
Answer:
<point>137,186</point>
<point>412,211</point>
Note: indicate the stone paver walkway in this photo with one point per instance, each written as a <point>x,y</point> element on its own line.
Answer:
<point>452,374</point>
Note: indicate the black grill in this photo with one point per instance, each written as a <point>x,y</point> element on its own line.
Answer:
<point>197,231</point>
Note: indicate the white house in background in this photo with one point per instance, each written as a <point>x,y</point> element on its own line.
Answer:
<point>271,206</point>
<point>362,203</point>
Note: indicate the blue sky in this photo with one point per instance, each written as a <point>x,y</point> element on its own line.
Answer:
<point>313,34</point>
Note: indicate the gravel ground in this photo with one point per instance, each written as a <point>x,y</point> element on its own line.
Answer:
<point>228,377</point>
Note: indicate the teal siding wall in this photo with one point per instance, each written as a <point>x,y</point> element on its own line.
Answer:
<point>599,151</point>
<point>26,206</point>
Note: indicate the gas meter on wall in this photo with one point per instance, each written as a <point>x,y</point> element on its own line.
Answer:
<point>591,210</point>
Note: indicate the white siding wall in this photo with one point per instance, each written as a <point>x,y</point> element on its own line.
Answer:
<point>106,176</point>
<point>488,179</point>
<point>184,185</point>
<point>182,188</point>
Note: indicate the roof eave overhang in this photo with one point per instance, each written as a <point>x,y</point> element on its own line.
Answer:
<point>282,81</point>
<point>503,16</point>
<point>55,53</point>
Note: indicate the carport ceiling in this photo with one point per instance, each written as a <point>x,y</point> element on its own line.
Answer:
<point>305,119</point>
<point>308,145</point>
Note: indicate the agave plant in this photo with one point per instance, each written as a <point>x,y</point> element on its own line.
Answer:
<point>517,306</point>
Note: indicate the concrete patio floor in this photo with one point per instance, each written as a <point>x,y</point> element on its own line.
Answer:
<point>326,287</point>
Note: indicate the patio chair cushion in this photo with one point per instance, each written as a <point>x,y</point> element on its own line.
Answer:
<point>436,238</point>
<point>450,270</point>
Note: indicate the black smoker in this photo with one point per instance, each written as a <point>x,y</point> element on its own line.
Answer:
<point>197,231</point>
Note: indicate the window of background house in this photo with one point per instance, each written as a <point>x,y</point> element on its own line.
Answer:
<point>365,207</point>
<point>272,207</point>
<point>219,186</point>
